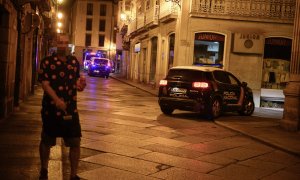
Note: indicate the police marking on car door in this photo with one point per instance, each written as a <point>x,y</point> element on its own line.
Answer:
<point>230,95</point>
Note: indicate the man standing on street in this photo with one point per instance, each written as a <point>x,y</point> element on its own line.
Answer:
<point>60,79</point>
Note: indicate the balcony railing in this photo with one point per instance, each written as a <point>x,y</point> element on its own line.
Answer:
<point>140,20</point>
<point>131,26</point>
<point>264,10</point>
<point>151,16</point>
<point>168,10</point>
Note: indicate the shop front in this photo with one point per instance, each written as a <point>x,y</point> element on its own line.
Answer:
<point>208,48</point>
<point>275,73</point>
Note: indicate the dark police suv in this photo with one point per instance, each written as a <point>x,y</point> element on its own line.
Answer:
<point>100,67</point>
<point>207,90</point>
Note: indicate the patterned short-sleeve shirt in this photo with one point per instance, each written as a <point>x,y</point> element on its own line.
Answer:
<point>62,77</point>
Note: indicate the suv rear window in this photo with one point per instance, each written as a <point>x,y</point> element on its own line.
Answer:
<point>187,75</point>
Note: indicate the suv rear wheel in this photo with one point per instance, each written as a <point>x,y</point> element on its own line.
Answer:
<point>166,110</point>
<point>215,109</point>
<point>247,108</point>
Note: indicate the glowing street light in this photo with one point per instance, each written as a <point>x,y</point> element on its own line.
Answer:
<point>123,17</point>
<point>58,30</point>
<point>59,1</point>
<point>59,15</point>
<point>59,24</point>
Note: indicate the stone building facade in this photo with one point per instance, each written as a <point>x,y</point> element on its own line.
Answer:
<point>22,45</point>
<point>252,39</point>
<point>93,28</point>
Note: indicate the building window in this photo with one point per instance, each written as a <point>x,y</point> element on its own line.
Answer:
<point>88,39</point>
<point>102,9</point>
<point>147,4</point>
<point>209,48</point>
<point>101,40</point>
<point>102,25</point>
<point>89,24</point>
<point>89,9</point>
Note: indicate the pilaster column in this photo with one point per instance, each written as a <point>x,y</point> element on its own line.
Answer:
<point>291,119</point>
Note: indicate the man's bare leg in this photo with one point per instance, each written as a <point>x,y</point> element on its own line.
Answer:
<point>44,158</point>
<point>74,156</point>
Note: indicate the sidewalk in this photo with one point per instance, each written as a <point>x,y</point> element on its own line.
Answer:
<point>263,125</point>
<point>19,143</point>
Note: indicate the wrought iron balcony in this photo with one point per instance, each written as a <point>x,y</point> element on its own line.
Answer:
<point>140,20</point>
<point>132,26</point>
<point>252,10</point>
<point>151,16</point>
<point>168,11</point>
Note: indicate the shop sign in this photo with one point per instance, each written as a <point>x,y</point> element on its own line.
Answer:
<point>137,47</point>
<point>209,37</point>
<point>251,43</point>
<point>278,41</point>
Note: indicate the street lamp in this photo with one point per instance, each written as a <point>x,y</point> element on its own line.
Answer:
<point>59,15</point>
<point>123,17</point>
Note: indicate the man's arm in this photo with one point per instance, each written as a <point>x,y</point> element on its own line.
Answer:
<point>81,83</point>
<point>60,104</point>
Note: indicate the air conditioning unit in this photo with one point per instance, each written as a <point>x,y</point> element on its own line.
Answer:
<point>249,43</point>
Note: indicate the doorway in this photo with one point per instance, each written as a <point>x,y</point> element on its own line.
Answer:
<point>153,59</point>
<point>4,20</point>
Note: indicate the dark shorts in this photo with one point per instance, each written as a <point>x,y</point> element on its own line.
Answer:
<point>51,141</point>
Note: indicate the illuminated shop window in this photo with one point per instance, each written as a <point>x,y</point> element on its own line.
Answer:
<point>208,48</point>
<point>276,69</point>
<point>275,72</point>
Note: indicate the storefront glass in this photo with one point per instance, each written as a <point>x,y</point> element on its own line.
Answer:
<point>275,74</point>
<point>208,48</point>
<point>276,67</point>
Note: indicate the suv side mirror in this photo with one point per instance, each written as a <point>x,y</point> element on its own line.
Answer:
<point>244,84</point>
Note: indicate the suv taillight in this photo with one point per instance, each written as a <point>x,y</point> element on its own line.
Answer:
<point>203,85</point>
<point>163,82</point>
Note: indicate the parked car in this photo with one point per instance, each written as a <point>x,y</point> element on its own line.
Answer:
<point>100,67</point>
<point>207,90</point>
<point>87,59</point>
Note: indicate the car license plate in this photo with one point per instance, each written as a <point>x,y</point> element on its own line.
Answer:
<point>178,90</point>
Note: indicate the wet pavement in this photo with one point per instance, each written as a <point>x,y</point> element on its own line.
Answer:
<point>125,136</point>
